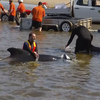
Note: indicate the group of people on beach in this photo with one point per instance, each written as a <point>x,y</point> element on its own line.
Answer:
<point>37,13</point>
<point>83,42</point>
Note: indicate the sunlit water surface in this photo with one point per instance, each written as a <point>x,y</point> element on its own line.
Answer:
<point>59,80</point>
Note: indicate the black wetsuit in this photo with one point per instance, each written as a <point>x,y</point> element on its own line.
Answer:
<point>26,47</point>
<point>84,39</point>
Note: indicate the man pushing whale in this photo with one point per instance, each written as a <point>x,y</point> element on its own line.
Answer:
<point>83,42</point>
<point>31,46</point>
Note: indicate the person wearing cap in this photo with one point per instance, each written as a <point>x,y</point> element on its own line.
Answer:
<point>12,11</point>
<point>38,14</point>
<point>21,9</point>
<point>83,42</point>
<point>31,46</point>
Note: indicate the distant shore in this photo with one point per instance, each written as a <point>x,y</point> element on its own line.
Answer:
<point>50,2</point>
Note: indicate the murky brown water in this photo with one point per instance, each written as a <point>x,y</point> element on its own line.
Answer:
<point>59,80</point>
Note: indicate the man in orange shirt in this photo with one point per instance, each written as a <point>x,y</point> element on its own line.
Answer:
<point>21,9</point>
<point>12,11</point>
<point>38,14</point>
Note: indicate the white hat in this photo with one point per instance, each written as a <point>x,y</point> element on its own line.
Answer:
<point>20,0</point>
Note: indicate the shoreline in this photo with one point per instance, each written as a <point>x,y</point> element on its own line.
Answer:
<point>50,3</point>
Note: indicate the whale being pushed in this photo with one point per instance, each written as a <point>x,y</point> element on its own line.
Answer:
<point>20,55</point>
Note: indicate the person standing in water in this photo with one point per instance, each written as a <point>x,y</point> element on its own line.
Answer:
<point>31,46</point>
<point>38,14</point>
<point>21,9</point>
<point>12,11</point>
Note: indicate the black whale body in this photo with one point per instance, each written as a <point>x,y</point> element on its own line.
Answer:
<point>20,55</point>
<point>95,49</point>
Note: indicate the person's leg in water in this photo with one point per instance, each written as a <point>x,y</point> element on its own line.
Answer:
<point>39,24</point>
<point>11,18</point>
<point>33,25</point>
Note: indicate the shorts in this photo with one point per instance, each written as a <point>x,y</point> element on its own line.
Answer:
<point>11,18</point>
<point>23,15</point>
<point>36,24</point>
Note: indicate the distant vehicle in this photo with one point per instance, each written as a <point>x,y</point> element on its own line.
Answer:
<point>63,19</point>
<point>79,9</point>
<point>4,17</point>
<point>57,23</point>
<point>52,23</point>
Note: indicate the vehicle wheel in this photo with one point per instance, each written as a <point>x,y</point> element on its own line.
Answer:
<point>65,26</point>
<point>4,17</point>
<point>52,28</point>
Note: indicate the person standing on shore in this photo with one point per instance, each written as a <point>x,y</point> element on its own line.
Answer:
<point>12,11</point>
<point>38,14</point>
<point>21,9</point>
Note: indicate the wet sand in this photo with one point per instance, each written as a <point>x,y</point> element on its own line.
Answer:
<point>50,2</point>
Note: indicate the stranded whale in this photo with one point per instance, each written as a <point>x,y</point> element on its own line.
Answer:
<point>20,55</point>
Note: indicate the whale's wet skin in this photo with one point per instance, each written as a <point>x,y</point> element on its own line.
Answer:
<point>56,80</point>
<point>18,55</point>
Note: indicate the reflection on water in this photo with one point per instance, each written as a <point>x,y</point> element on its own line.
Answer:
<point>78,79</point>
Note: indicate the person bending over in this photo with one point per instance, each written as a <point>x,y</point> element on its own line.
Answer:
<point>31,46</point>
<point>83,41</point>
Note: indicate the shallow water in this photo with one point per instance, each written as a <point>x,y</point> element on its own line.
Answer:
<point>58,80</point>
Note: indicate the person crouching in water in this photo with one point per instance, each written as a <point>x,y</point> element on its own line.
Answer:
<point>83,42</point>
<point>12,11</point>
<point>31,46</point>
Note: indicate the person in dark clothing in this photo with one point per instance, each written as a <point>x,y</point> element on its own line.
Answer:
<point>83,41</point>
<point>31,46</point>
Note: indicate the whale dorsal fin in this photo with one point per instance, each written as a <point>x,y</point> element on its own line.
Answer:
<point>17,51</point>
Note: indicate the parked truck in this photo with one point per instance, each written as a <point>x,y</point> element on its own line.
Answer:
<point>79,9</point>
<point>63,17</point>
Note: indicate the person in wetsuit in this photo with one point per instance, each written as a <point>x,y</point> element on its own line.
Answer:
<point>83,41</point>
<point>31,46</point>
